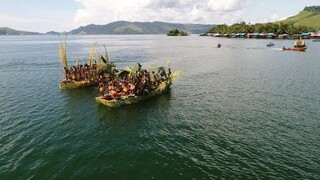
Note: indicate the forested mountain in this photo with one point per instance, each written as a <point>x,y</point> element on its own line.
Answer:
<point>125,27</point>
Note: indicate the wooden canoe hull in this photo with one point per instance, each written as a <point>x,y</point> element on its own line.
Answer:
<point>64,85</point>
<point>163,87</point>
<point>295,49</point>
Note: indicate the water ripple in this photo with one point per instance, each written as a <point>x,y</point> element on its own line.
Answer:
<point>236,113</point>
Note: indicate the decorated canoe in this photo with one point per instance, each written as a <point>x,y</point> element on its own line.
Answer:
<point>64,85</point>
<point>162,87</point>
<point>102,64</point>
<point>295,49</point>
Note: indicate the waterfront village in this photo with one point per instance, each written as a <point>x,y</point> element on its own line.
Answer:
<point>304,35</point>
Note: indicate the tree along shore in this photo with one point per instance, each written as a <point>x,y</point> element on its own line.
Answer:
<point>267,30</point>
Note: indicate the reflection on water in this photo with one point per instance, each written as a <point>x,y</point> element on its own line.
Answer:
<point>242,111</point>
<point>130,113</point>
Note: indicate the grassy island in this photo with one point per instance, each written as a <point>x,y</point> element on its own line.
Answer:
<point>176,32</point>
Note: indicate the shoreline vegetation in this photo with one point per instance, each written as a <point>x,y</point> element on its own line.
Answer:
<point>305,25</point>
<point>263,31</point>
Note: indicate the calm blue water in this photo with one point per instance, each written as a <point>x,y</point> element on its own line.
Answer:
<point>244,111</point>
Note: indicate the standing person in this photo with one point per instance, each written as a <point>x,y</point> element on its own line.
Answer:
<point>101,88</point>
<point>169,72</point>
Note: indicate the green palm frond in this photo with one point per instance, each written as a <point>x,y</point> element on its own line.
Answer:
<point>162,71</point>
<point>137,67</point>
<point>123,73</point>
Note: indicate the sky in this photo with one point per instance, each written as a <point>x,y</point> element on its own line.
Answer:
<point>65,15</point>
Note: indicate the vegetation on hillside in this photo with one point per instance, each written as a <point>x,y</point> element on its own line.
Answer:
<point>306,21</point>
<point>176,32</point>
<point>125,27</point>
<point>312,8</point>
<point>277,28</point>
<point>309,17</point>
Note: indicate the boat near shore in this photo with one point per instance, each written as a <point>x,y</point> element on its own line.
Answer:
<point>295,49</point>
<point>299,45</point>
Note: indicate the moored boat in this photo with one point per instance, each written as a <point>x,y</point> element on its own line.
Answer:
<point>126,100</point>
<point>299,45</point>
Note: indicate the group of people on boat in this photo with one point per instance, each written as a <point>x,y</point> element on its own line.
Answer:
<point>82,73</point>
<point>133,84</point>
<point>299,45</point>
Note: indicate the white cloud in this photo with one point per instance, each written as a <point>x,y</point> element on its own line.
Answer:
<point>41,18</point>
<point>226,5</point>
<point>180,11</point>
<point>271,18</point>
<point>105,11</point>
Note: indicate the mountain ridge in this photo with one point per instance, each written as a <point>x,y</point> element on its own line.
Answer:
<point>308,17</point>
<point>10,31</point>
<point>127,27</point>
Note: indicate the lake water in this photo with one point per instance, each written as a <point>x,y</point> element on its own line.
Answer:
<point>244,111</point>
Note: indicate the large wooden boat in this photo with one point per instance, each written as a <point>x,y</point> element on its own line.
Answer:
<point>299,45</point>
<point>126,100</point>
<point>64,85</point>
<point>295,49</point>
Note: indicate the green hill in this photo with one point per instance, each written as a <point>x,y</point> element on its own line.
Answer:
<point>309,17</point>
<point>9,31</point>
<point>125,27</point>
